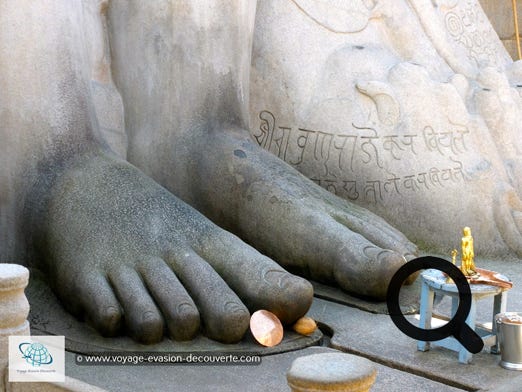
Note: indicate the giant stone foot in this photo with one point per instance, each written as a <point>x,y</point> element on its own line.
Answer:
<point>122,250</point>
<point>198,147</point>
<point>119,249</point>
<point>294,221</point>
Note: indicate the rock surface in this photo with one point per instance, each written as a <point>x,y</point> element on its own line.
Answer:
<point>410,110</point>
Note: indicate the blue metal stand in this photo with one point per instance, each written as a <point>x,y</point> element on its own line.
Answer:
<point>433,281</point>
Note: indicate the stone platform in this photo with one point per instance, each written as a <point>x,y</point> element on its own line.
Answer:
<point>400,366</point>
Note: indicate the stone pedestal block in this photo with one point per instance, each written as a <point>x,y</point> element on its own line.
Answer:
<point>14,309</point>
<point>331,372</point>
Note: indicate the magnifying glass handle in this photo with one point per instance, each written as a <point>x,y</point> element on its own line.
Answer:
<point>469,339</point>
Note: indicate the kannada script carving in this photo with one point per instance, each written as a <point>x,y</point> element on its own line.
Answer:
<point>335,160</point>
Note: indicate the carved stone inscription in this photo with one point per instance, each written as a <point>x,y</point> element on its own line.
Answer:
<point>468,27</point>
<point>358,164</point>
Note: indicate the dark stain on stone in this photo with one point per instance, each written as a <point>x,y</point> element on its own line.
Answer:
<point>239,153</point>
<point>359,47</point>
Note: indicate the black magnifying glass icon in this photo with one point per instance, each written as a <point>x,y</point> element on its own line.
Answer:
<point>456,326</point>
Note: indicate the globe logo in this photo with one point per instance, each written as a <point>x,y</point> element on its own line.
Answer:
<point>35,354</point>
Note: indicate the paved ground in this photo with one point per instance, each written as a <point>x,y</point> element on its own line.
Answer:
<point>400,366</point>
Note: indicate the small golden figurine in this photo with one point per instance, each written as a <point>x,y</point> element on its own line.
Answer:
<point>468,265</point>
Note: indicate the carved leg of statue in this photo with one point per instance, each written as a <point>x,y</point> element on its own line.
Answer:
<point>118,248</point>
<point>370,106</point>
<point>186,112</point>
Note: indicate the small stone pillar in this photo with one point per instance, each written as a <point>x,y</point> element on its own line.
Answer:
<point>331,372</point>
<point>14,309</point>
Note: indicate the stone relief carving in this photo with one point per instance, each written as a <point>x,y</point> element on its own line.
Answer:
<point>399,133</point>
<point>462,34</point>
<point>190,234</point>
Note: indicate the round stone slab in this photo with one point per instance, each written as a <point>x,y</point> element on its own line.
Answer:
<point>13,276</point>
<point>14,307</point>
<point>331,372</point>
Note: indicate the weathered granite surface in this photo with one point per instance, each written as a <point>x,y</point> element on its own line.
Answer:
<point>86,83</point>
<point>411,110</point>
